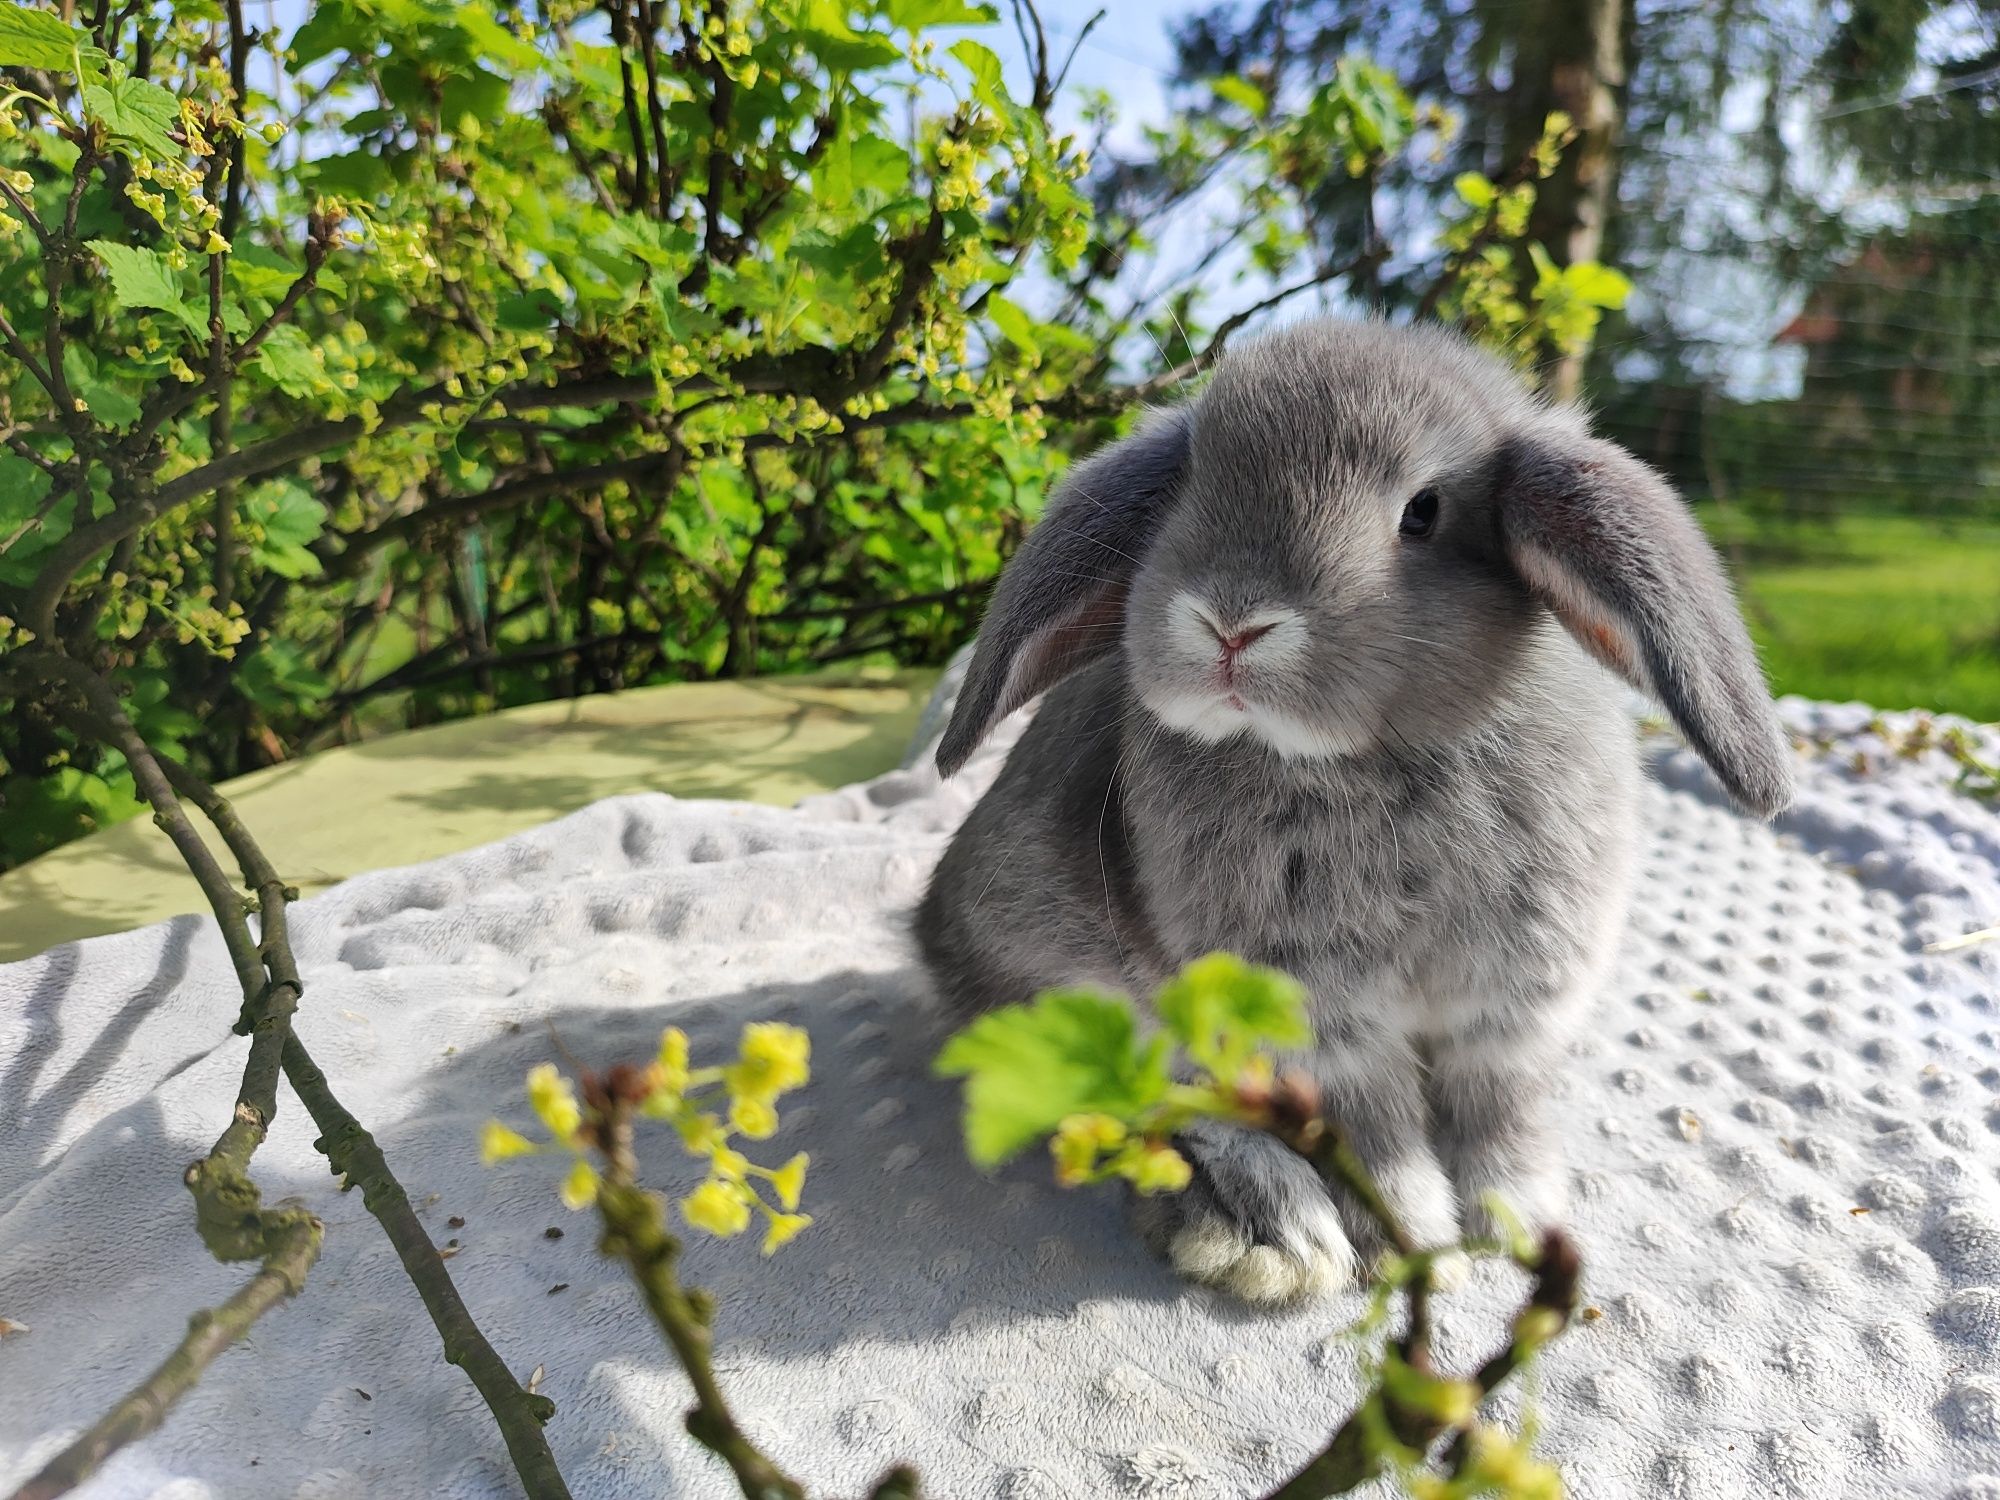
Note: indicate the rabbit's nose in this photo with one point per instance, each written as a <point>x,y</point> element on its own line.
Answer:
<point>1242,636</point>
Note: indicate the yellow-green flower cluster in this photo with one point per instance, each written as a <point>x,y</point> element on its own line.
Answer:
<point>1497,1463</point>
<point>1095,1148</point>
<point>772,1060</point>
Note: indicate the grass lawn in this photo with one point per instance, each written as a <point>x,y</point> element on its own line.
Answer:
<point>1899,611</point>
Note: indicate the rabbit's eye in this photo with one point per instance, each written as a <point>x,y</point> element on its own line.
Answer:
<point>1421,514</point>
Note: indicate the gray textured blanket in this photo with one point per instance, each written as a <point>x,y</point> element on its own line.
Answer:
<point>1781,1124</point>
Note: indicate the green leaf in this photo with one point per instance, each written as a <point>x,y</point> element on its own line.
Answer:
<point>475,92</point>
<point>1015,323</point>
<point>915,15</point>
<point>257,271</point>
<point>1475,188</point>
<point>1242,93</point>
<point>528,312</point>
<point>1547,274</point>
<point>828,37</point>
<point>288,519</point>
<point>278,678</point>
<point>495,41</point>
<point>1223,1009</point>
<point>983,63</point>
<point>143,278</point>
<point>291,363</point>
<point>135,110</point>
<point>334,26</point>
<point>1027,1067</point>
<point>38,39</point>
<point>865,171</point>
<point>21,562</point>
<point>22,486</point>
<point>1597,284</point>
<point>356,174</point>
<point>107,402</point>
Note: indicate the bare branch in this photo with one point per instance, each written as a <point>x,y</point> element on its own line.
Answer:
<point>621,29</point>
<point>27,212</point>
<point>352,1153</point>
<point>142,1409</point>
<point>228,1207</point>
<point>18,347</point>
<point>656,111</point>
<point>1166,380</point>
<point>232,1222</point>
<point>1076,46</point>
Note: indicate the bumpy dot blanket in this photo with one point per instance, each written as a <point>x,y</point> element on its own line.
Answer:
<point>1783,1128</point>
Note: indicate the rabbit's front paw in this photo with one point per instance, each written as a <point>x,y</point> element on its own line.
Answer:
<point>1534,1200</point>
<point>1255,1220</point>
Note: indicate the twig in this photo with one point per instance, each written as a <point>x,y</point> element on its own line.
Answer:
<point>1145,390</point>
<point>352,1153</point>
<point>621,27</point>
<point>735,603</point>
<point>1037,51</point>
<point>34,523</point>
<point>1292,1113</point>
<point>635,1231</point>
<point>861,607</point>
<point>1062,73</point>
<point>523,491</point>
<point>1349,1458</point>
<point>444,671</point>
<point>229,1211</point>
<point>656,112</point>
<point>233,1223</point>
<point>145,1406</point>
<point>916,256</point>
<point>1964,940</point>
<point>174,401</point>
<point>17,346</point>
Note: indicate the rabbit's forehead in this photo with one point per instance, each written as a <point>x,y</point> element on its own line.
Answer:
<point>1328,437</point>
<point>1332,410</point>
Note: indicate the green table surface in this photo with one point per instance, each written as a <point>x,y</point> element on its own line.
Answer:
<point>410,797</point>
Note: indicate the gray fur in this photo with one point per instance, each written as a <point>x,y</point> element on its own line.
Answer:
<point>1423,806</point>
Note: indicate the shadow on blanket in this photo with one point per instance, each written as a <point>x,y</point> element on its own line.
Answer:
<point>895,1204</point>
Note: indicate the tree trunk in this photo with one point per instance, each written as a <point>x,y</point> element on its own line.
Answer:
<point>1573,61</point>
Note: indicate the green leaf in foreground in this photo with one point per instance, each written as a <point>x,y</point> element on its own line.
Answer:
<point>1223,1010</point>
<point>37,39</point>
<point>1028,1067</point>
<point>138,111</point>
<point>143,278</point>
<point>293,366</point>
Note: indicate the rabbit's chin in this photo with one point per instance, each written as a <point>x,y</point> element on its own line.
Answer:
<point>1214,720</point>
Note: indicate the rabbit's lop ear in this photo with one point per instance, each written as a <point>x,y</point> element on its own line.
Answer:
<point>1061,600</point>
<point>1608,546</point>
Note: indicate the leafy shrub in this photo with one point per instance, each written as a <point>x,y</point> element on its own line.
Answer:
<point>442,356</point>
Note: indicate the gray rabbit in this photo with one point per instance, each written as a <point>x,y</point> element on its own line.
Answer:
<point>1318,647</point>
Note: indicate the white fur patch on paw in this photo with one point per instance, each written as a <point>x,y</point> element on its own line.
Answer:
<point>1422,1197</point>
<point>1204,1251</point>
<point>1316,1260</point>
<point>1534,1202</point>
